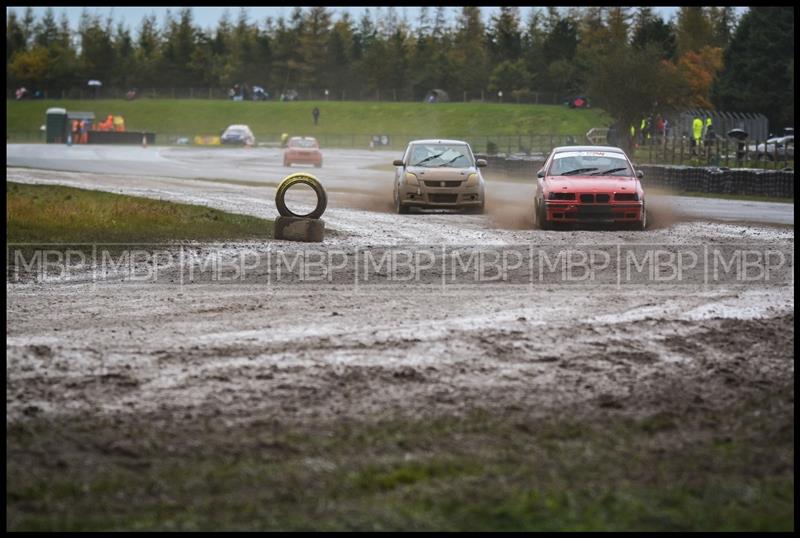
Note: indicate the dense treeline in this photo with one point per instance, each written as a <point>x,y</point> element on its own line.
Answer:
<point>629,61</point>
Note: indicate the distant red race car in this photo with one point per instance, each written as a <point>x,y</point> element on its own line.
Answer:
<point>302,149</point>
<point>589,184</point>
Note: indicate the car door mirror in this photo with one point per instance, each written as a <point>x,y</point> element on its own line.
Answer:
<point>540,173</point>
<point>640,174</point>
<point>398,162</point>
<point>480,163</point>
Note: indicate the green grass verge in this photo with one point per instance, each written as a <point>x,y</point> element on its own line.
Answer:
<point>56,214</point>
<point>191,117</point>
<point>481,472</point>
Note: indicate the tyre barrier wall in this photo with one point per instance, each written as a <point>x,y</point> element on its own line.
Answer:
<point>516,164</point>
<point>709,179</point>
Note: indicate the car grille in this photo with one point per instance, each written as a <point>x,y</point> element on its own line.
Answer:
<point>443,184</point>
<point>592,198</point>
<point>443,198</point>
<point>597,212</point>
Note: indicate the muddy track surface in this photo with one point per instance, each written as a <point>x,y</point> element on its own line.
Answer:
<point>174,350</point>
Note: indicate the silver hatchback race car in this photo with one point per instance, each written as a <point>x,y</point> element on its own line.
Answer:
<point>438,174</point>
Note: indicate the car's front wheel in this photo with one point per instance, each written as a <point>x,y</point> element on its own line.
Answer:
<point>643,223</point>
<point>399,208</point>
<point>540,215</point>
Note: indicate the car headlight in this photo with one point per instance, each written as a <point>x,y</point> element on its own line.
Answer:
<point>411,179</point>
<point>472,180</point>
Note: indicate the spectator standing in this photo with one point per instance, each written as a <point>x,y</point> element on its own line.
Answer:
<point>315,114</point>
<point>697,134</point>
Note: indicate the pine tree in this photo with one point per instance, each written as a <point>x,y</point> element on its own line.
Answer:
<point>758,72</point>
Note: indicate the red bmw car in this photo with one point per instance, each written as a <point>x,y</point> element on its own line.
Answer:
<point>302,149</point>
<point>589,184</point>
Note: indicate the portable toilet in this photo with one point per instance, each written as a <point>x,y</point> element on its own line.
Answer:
<point>56,125</point>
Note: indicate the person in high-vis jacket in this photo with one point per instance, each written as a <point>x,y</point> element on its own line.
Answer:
<point>697,134</point>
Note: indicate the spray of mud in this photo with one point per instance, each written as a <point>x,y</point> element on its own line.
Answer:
<point>378,198</point>
<point>510,213</point>
<point>661,211</point>
<point>509,201</point>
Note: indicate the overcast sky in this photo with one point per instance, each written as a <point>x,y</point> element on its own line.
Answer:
<point>208,17</point>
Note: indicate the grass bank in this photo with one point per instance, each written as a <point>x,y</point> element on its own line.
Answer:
<point>56,214</point>
<point>713,470</point>
<point>189,117</point>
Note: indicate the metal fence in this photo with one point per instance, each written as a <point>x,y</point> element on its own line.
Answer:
<point>720,151</point>
<point>527,144</point>
<point>304,94</point>
<point>754,153</point>
<point>756,125</point>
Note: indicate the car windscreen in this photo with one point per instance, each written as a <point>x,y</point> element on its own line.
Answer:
<point>303,143</point>
<point>234,132</point>
<point>589,163</point>
<point>440,155</point>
